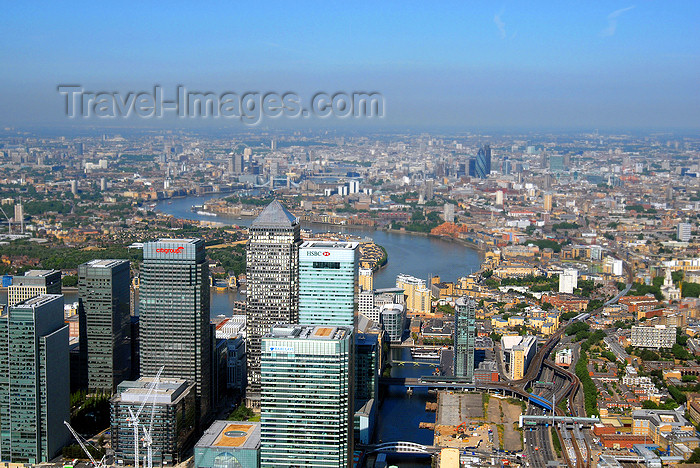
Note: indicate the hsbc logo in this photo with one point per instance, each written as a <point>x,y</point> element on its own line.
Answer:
<point>316,253</point>
<point>172,251</point>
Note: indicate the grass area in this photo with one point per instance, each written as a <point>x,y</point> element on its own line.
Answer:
<point>556,442</point>
<point>485,401</point>
<point>499,429</point>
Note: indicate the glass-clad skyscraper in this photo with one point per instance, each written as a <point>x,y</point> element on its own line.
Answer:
<point>174,315</point>
<point>328,283</point>
<point>465,337</point>
<point>272,278</point>
<point>483,162</point>
<point>306,402</point>
<point>34,380</point>
<point>105,322</point>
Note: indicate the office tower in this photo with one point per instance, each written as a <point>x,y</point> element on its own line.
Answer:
<point>472,167</point>
<point>105,323</point>
<point>103,184</point>
<point>483,162</point>
<point>507,166</point>
<point>518,351</point>
<point>547,202</point>
<point>272,276</point>
<point>448,212</point>
<point>174,412</point>
<point>33,283</point>
<point>556,163</point>
<point>306,404</point>
<point>393,318</point>
<point>465,337</point>
<point>235,164</point>
<point>328,283</point>
<point>499,198</point>
<point>174,326</point>
<point>74,187</point>
<point>683,233</point>
<point>366,279</point>
<point>34,380</point>
<point>568,281</point>
<point>19,216</point>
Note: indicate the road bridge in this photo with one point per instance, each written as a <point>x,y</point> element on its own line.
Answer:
<point>524,418</point>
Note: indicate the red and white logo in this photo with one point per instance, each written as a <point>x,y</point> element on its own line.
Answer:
<point>173,251</point>
<point>325,254</point>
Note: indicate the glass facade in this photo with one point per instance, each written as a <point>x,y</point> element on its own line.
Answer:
<point>393,317</point>
<point>328,283</point>
<point>465,337</point>
<point>272,278</point>
<point>105,322</point>
<point>34,380</point>
<point>174,326</point>
<point>306,400</point>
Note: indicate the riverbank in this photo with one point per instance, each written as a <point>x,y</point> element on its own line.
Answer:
<point>468,243</point>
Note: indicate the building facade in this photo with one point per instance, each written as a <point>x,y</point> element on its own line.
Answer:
<point>328,278</point>
<point>483,162</point>
<point>518,352</point>
<point>658,336</point>
<point>32,284</point>
<point>34,380</point>
<point>393,317</point>
<point>172,402</point>
<point>418,296</point>
<point>465,337</point>
<point>307,397</point>
<point>272,276</point>
<point>105,322</point>
<point>174,328</point>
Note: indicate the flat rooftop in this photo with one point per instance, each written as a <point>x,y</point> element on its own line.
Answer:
<point>37,301</point>
<point>179,241</point>
<point>105,263</point>
<point>231,434</point>
<point>39,273</point>
<point>309,332</point>
<point>137,391</point>
<point>329,245</point>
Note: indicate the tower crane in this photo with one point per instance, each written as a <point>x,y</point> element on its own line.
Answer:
<point>147,439</point>
<point>133,419</point>
<point>82,442</point>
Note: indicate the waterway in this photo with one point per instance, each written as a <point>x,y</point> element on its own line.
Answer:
<point>416,255</point>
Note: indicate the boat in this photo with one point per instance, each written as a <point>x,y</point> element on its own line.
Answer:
<point>425,353</point>
<point>206,213</point>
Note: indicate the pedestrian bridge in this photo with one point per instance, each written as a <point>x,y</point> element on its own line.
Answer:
<point>401,447</point>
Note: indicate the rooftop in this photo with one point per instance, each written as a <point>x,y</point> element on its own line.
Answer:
<point>275,215</point>
<point>37,301</point>
<point>105,263</point>
<point>39,273</point>
<point>329,245</point>
<point>137,391</point>
<point>234,434</point>
<point>309,332</point>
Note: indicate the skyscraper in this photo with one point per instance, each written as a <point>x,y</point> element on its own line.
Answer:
<point>272,276</point>
<point>174,315</point>
<point>33,283</point>
<point>328,283</point>
<point>34,380</point>
<point>306,406</point>
<point>465,337</point>
<point>483,162</point>
<point>105,322</point>
<point>366,279</point>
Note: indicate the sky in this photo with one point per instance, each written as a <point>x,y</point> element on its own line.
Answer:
<point>560,64</point>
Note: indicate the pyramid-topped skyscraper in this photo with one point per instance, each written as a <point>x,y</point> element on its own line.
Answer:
<point>272,276</point>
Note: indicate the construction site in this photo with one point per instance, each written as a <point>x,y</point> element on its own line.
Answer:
<point>477,421</point>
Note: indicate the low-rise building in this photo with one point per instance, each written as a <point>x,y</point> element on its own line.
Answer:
<point>229,443</point>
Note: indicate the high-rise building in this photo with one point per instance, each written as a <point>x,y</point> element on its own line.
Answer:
<point>499,198</point>
<point>105,323</point>
<point>33,283</point>
<point>683,233</point>
<point>272,276</point>
<point>366,279</point>
<point>235,165</point>
<point>174,329</point>
<point>19,216</point>
<point>568,281</point>
<point>418,297</point>
<point>328,274</point>
<point>307,397</point>
<point>483,162</point>
<point>556,163</point>
<point>448,212</point>
<point>465,337</point>
<point>518,352</point>
<point>34,380</point>
<point>174,412</point>
<point>507,166</point>
<point>547,202</point>
<point>393,319</point>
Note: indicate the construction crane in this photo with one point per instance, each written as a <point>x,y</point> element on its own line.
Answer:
<point>133,419</point>
<point>147,439</point>
<point>9,221</point>
<point>82,442</point>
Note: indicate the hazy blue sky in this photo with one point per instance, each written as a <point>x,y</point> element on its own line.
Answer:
<point>473,64</point>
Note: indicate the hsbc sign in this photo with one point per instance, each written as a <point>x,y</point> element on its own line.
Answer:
<point>317,253</point>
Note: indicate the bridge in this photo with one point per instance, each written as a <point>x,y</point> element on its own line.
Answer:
<point>400,447</point>
<point>527,418</point>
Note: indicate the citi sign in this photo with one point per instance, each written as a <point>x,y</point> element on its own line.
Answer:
<point>171,251</point>
<point>316,253</point>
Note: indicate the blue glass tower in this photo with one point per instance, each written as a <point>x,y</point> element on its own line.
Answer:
<point>483,162</point>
